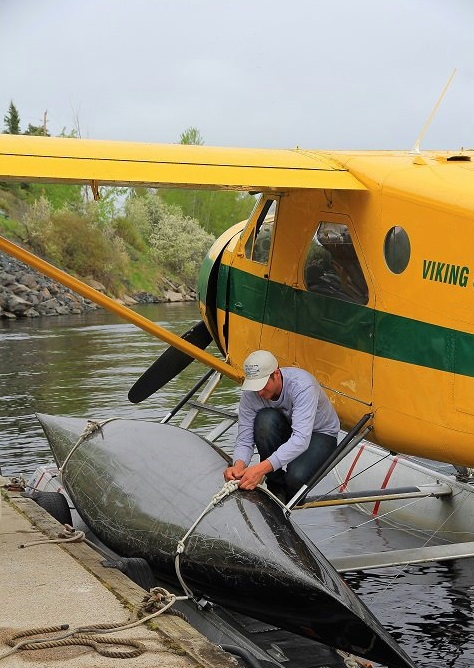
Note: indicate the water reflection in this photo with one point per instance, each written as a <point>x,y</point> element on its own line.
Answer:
<point>435,603</point>
<point>84,366</point>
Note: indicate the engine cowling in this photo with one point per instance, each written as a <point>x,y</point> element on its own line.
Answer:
<point>210,284</point>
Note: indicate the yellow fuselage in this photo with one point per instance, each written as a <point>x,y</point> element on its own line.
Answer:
<point>407,354</point>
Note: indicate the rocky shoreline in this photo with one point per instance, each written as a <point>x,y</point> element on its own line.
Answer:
<point>25,293</point>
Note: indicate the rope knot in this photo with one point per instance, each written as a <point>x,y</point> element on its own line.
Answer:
<point>69,532</point>
<point>227,489</point>
<point>155,600</point>
<point>351,661</point>
<point>90,428</point>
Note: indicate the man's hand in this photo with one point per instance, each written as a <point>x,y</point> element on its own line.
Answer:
<point>253,475</point>
<point>235,472</point>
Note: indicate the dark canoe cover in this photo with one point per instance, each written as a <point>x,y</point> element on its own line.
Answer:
<point>141,486</point>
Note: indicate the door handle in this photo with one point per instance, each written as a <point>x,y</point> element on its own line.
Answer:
<point>238,305</point>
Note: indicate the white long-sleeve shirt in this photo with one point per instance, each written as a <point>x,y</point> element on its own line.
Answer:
<point>304,404</point>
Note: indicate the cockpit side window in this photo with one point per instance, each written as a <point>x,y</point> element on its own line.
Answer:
<point>257,247</point>
<point>332,267</point>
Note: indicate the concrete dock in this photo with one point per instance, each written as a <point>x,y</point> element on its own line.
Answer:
<point>53,584</point>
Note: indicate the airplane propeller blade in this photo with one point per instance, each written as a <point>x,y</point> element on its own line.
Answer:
<point>168,365</point>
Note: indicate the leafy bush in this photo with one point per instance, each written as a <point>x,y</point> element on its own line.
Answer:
<point>60,196</point>
<point>181,245</point>
<point>178,242</point>
<point>131,236</point>
<point>76,244</point>
<point>216,210</point>
<point>139,213</point>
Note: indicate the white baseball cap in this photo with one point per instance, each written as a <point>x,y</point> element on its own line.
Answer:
<point>258,367</point>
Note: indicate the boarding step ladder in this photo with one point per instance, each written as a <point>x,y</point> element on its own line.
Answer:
<point>210,381</point>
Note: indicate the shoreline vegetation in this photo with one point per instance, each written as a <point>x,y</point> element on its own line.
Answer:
<point>25,293</point>
<point>136,245</point>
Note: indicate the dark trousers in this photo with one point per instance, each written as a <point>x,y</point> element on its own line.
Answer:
<point>271,429</point>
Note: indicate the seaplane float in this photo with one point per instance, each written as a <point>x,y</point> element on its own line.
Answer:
<point>155,491</point>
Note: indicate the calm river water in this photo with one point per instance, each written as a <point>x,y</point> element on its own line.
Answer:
<point>84,366</point>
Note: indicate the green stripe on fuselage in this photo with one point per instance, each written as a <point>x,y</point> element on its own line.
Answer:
<point>346,324</point>
<point>203,278</point>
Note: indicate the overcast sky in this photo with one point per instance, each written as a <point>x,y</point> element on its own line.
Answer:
<point>338,74</point>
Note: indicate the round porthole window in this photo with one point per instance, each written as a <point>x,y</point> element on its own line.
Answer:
<point>397,249</point>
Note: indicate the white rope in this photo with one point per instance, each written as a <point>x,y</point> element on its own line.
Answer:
<point>69,535</point>
<point>350,661</point>
<point>227,489</point>
<point>91,427</point>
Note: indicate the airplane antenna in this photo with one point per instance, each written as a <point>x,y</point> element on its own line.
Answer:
<point>416,148</point>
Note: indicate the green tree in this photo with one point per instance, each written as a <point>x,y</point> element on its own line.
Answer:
<point>59,195</point>
<point>12,120</point>
<point>191,136</point>
<point>216,210</point>
<point>37,131</point>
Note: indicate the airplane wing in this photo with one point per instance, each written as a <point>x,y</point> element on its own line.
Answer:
<point>102,163</point>
<point>83,161</point>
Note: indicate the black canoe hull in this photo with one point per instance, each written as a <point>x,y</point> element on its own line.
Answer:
<point>140,486</point>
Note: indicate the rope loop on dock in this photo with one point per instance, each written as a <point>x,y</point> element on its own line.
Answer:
<point>227,489</point>
<point>87,635</point>
<point>68,535</point>
<point>76,637</point>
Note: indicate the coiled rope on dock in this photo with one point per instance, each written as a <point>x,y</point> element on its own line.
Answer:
<point>91,635</point>
<point>77,637</point>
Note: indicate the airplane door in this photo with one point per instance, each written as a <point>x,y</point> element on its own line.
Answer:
<point>247,283</point>
<point>334,317</point>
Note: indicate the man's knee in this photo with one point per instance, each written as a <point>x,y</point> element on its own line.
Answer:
<point>296,477</point>
<point>269,419</point>
<point>271,429</point>
<point>301,470</point>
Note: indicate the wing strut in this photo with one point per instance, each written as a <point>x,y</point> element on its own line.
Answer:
<point>111,305</point>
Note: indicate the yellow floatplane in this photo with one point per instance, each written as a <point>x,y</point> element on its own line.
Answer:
<point>356,266</point>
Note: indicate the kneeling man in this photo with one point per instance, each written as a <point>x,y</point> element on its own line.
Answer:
<point>285,413</point>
